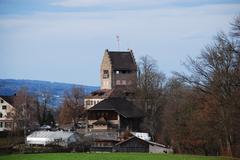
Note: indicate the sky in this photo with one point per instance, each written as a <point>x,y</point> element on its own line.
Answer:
<point>64,40</point>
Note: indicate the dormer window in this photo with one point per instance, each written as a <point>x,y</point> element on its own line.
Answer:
<point>105,74</point>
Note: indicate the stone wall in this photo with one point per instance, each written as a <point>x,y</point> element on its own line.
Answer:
<point>106,83</point>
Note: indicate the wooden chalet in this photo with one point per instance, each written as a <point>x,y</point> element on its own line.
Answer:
<point>114,114</point>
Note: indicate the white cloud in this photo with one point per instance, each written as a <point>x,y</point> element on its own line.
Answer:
<point>88,3</point>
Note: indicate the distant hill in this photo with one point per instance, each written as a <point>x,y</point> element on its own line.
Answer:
<point>10,86</point>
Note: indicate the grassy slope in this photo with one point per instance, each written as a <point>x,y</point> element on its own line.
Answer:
<point>105,156</point>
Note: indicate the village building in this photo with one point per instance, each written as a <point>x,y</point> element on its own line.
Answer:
<point>116,114</point>
<point>109,111</point>
<point>96,97</point>
<point>6,112</point>
<point>103,141</point>
<point>113,121</point>
<point>136,144</point>
<point>118,76</point>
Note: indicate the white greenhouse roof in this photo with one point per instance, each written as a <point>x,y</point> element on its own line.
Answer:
<point>46,137</point>
<point>51,134</point>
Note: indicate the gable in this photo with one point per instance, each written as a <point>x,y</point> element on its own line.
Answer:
<point>8,103</point>
<point>7,99</point>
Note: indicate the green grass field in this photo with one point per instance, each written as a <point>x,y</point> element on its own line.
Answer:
<point>105,156</point>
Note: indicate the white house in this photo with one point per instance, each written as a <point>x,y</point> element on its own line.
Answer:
<point>6,111</point>
<point>61,138</point>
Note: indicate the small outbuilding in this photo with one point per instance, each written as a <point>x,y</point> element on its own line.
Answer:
<point>136,144</point>
<point>61,138</point>
<point>103,141</point>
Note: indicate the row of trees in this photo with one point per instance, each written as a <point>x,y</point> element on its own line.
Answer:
<point>196,112</point>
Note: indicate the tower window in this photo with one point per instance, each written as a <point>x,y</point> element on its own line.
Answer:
<point>105,74</point>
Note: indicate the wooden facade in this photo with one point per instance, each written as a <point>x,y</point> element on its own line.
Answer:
<point>113,120</point>
<point>108,115</point>
<point>134,144</point>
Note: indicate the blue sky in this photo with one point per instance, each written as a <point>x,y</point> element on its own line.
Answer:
<point>64,40</point>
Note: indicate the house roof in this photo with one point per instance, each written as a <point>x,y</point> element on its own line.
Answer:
<point>120,105</point>
<point>117,91</point>
<point>122,91</point>
<point>8,99</point>
<point>102,93</point>
<point>146,141</point>
<point>51,134</point>
<point>122,60</point>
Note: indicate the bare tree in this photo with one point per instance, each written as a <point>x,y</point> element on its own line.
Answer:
<point>24,115</point>
<point>72,108</point>
<point>149,94</point>
<point>186,123</point>
<point>236,27</point>
<point>216,73</point>
<point>46,99</point>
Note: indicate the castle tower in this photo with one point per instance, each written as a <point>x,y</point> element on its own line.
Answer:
<point>118,68</point>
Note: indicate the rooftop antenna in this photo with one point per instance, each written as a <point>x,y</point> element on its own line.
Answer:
<point>118,42</point>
